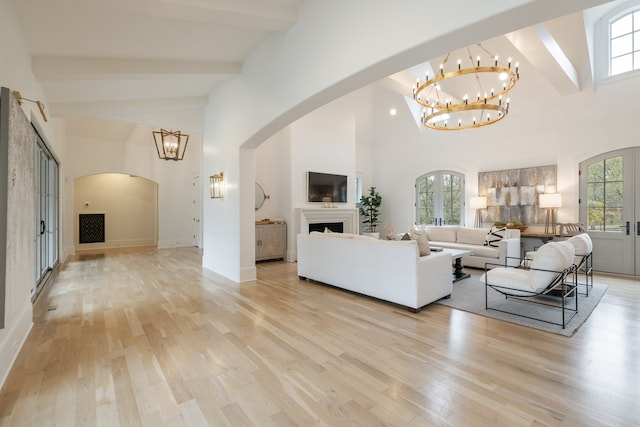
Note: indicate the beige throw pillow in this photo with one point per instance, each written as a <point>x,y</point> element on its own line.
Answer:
<point>419,234</point>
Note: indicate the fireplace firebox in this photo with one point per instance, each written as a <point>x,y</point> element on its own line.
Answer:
<point>335,227</point>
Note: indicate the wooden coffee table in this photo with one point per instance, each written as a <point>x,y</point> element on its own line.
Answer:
<point>457,254</point>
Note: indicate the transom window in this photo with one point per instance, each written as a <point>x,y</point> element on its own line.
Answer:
<point>624,48</point>
<point>439,198</point>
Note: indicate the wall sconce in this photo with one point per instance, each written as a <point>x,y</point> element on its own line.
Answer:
<point>550,202</point>
<point>216,186</point>
<point>170,145</point>
<point>478,203</point>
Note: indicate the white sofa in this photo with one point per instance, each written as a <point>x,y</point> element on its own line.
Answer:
<point>389,270</point>
<point>473,239</point>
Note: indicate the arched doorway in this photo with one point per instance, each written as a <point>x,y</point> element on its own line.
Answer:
<point>115,210</point>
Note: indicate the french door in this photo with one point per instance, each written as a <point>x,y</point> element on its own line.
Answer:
<point>439,198</point>
<point>46,214</point>
<point>610,209</point>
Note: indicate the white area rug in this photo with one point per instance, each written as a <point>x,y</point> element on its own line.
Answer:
<point>469,295</point>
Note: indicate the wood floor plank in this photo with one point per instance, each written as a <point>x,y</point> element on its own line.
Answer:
<point>128,414</point>
<point>236,415</point>
<point>147,337</point>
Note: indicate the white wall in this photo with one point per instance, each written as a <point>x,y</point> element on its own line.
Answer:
<point>130,205</point>
<point>323,141</point>
<point>109,146</point>
<point>15,72</point>
<point>272,163</point>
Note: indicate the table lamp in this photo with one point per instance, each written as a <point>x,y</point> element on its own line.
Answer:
<point>550,202</point>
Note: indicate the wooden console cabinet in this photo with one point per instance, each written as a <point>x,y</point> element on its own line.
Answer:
<point>271,241</point>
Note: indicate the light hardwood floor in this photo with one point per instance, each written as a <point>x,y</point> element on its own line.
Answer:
<point>144,337</point>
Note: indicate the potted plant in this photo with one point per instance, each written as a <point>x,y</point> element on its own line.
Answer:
<point>370,209</point>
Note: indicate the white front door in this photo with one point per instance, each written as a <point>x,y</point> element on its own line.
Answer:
<point>610,210</point>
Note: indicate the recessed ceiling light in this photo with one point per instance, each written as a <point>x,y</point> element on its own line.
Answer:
<point>393,111</point>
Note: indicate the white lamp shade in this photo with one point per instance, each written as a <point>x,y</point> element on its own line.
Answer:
<point>478,202</point>
<point>553,200</point>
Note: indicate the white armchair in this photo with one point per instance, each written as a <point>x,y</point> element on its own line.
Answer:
<point>550,273</point>
<point>583,260</point>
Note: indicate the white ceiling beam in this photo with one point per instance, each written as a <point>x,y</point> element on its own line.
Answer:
<point>545,54</point>
<point>102,108</point>
<point>256,14</point>
<point>65,68</point>
<point>403,82</point>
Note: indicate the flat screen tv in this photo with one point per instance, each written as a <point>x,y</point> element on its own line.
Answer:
<point>326,187</point>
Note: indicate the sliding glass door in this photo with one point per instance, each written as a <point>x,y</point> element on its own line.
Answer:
<point>46,222</point>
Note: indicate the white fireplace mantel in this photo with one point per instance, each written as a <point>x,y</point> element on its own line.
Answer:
<point>347,216</point>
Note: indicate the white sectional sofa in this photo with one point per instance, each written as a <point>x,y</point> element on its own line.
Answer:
<point>473,239</point>
<point>389,270</point>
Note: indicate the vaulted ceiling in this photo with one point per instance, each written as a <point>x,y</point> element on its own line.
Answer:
<point>143,60</point>
<point>155,62</point>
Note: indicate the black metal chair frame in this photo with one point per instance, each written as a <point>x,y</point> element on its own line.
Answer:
<point>585,267</point>
<point>563,286</point>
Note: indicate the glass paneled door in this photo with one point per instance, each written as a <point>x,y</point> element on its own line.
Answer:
<point>46,218</point>
<point>439,198</point>
<point>610,210</point>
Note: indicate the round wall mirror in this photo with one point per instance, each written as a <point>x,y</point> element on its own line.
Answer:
<point>260,196</point>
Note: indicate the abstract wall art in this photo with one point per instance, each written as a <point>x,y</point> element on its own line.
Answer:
<point>512,194</point>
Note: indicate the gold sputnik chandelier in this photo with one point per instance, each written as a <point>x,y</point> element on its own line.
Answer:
<point>466,97</point>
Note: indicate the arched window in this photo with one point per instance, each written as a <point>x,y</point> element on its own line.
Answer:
<point>439,198</point>
<point>616,41</point>
<point>624,43</point>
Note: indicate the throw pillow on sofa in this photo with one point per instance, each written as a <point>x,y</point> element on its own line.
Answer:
<point>494,236</point>
<point>419,234</point>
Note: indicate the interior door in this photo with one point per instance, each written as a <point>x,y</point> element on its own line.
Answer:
<point>609,209</point>
<point>197,209</point>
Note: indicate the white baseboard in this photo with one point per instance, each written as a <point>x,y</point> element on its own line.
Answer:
<point>115,244</point>
<point>247,274</point>
<point>164,244</point>
<point>12,339</point>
